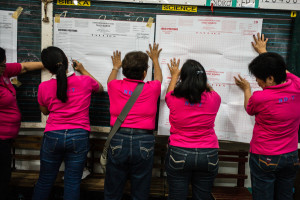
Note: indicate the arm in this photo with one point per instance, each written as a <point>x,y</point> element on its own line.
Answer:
<point>260,43</point>
<point>44,110</point>
<point>245,86</point>
<point>31,66</point>
<point>175,72</point>
<point>79,67</point>
<point>154,54</point>
<point>117,64</point>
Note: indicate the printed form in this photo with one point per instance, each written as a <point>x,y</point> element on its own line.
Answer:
<point>92,42</point>
<point>223,46</point>
<point>8,35</point>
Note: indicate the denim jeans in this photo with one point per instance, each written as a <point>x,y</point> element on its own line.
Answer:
<point>70,146</point>
<point>5,168</point>
<point>130,156</point>
<point>272,177</point>
<point>191,165</point>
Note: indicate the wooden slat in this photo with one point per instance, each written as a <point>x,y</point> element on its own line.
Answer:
<point>233,159</point>
<point>26,157</point>
<point>237,153</point>
<point>231,193</point>
<point>232,176</point>
<point>27,146</point>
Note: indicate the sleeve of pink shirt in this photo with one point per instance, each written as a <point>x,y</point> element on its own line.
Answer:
<point>295,79</point>
<point>169,98</point>
<point>12,69</point>
<point>156,85</point>
<point>111,85</point>
<point>94,84</point>
<point>40,96</point>
<point>251,105</point>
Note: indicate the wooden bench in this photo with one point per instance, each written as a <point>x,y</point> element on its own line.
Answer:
<point>27,147</point>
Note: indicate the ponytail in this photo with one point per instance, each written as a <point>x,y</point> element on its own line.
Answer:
<point>62,83</point>
<point>55,60</point>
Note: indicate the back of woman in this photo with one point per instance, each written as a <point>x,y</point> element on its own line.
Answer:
<point>192,124</point>
<point>66,99</point>
<point>192,155</point>
<point>273,158</point>
<point>130,155</point>
<point>75,112</point>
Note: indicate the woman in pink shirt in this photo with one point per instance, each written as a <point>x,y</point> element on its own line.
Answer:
<point>130,155</point>
<point>66,99</point>
<point>273,148</point>
<point>192,155</point>
<point>10,116</point>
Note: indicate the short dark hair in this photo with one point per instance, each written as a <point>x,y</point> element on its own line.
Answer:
<point>192,83</point>
<point>134,64</point>
<point>2,55</point>
<point>269,64</point>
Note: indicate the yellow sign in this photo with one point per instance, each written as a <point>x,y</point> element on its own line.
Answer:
<point>179,8</point>
<point>73,3</point>
<point>294,14</point>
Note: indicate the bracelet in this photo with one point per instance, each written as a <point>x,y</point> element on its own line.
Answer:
<point>115,69</point>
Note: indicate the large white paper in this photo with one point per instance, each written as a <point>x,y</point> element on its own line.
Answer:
<point>223,47</point>
<point>92,42</point>
<point>8,35</point>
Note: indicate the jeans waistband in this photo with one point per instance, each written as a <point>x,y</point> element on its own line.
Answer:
<point>135,130</point>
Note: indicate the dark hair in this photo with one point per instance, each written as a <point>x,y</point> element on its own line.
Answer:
<point>268,64</point>
<point>134,64</point>
<point>192,83</point>
<point>55,60</point>
<point>2,55</point>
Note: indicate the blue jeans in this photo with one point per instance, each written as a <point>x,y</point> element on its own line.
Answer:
<point>191,165</point>
<point>130,156</point>
<point>70,146</point>
<point>272,177</point>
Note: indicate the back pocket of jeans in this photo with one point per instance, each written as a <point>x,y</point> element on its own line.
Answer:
<point>49,143</point>
<point>213,161</point>
<point>268,163</point>
<point>146,149</point>
<point>116,147</point>
<point>296,161</point>
<point>177,159</point>
<point>80,145</point>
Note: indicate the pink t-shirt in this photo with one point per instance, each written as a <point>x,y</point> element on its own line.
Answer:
<point>143,112</point>
<point>277,118</point>
<point>10,116</point>
<point>192,125</point>
<point>74,113</point>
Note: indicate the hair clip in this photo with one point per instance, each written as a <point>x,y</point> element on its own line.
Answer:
<point>199,72</point>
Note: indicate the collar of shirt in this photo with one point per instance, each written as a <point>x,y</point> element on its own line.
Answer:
<point>68,74</point>
<point>133,80</point>
<point>287,83</point>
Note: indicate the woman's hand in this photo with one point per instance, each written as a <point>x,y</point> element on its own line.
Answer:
<point>154,52</point>
<point>260,43</point>
<point>175,72</point>
<point>245,86</point>
<point>174,67</point>
<point>79,67</point>
<point>242,83</point>
<point>116,60</point>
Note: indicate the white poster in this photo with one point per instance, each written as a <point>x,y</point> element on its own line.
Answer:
<point>92,42</point>
<point>8,35</point>
<point>223,46</point>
